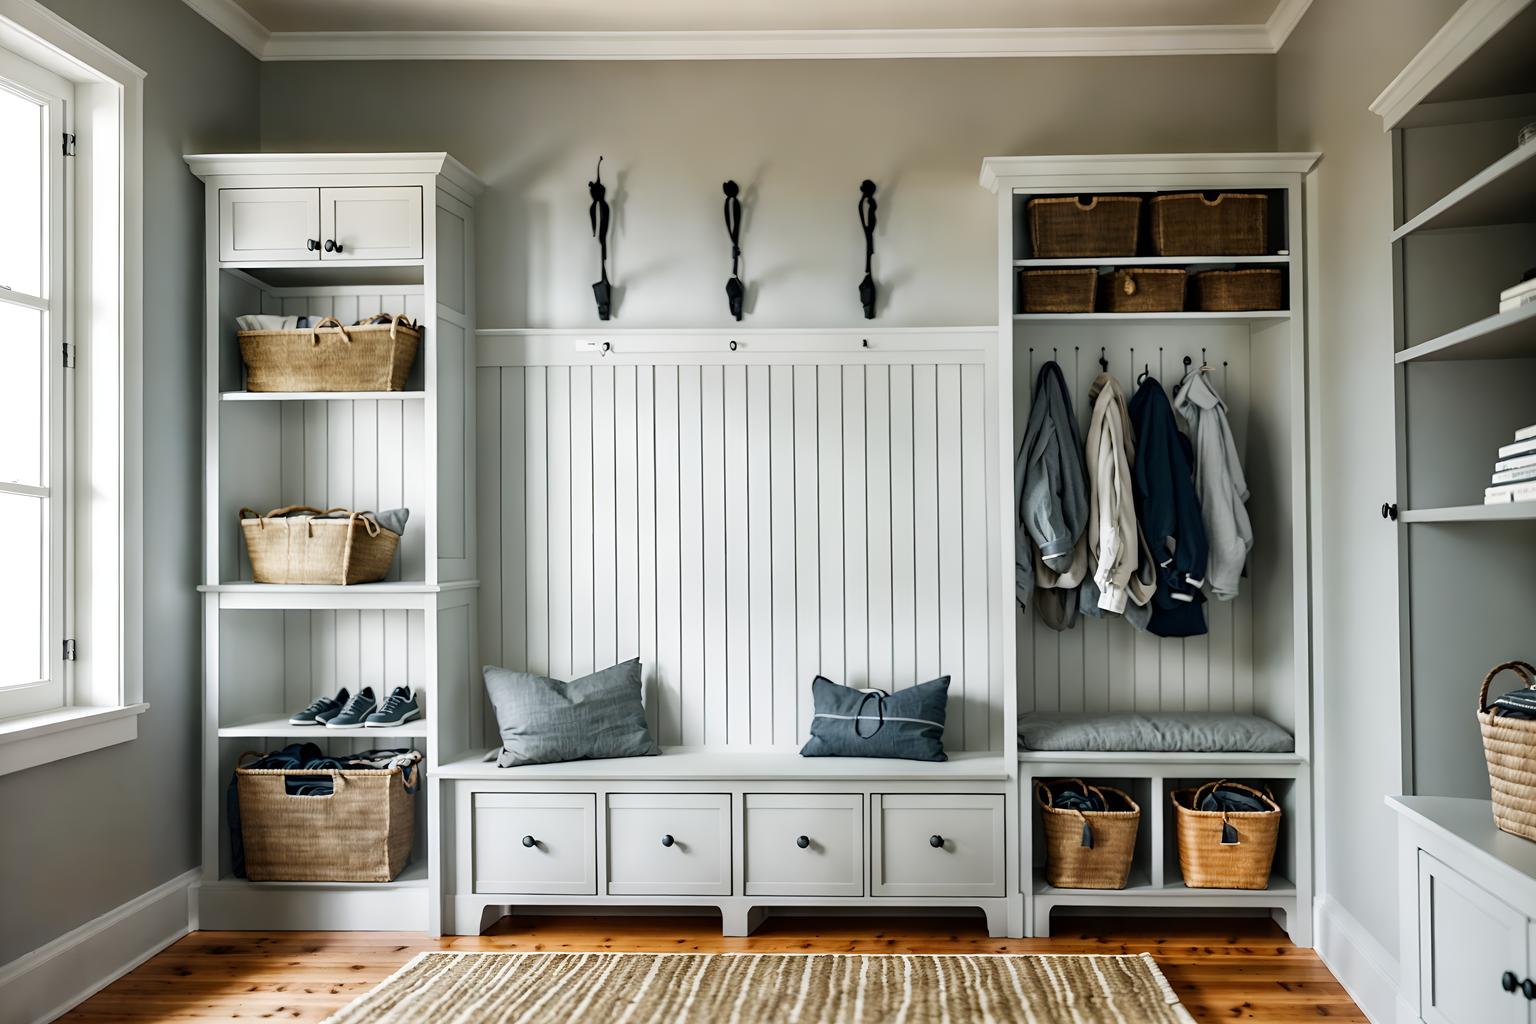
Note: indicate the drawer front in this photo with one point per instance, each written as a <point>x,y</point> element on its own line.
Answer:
<point>668,844</point>
<point>938,845</point>
<point>1468,938</point>
<point>382,223</point>
<point>261,225</point>
<point>804,844</point>
<point>535,843</point>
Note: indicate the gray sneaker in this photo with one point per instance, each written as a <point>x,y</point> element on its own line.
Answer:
<point>400,708</point>
<point>358,708</point>
<point>321,711</point>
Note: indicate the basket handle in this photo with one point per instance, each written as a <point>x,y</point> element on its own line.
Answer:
<point>393,319</point>
<point>330,321</point>
<point>369,523</point>
<point>247,513</point>
<point>1092,202</point>
<point>1523,669</point>
<point>1087,840</point>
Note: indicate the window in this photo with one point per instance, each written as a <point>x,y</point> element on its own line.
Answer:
<point>35,463</point>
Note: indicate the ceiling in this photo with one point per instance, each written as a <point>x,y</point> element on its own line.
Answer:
<point>673,29</point>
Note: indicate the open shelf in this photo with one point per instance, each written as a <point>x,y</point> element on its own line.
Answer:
<point>1151,261</point>
<point>1256,316</point>
<point>1510,335</point>
<point>278,726</point>
<point>1504,192</point>
<point>414,876</point>
<point>389,594</point>
<point>1140,888</point>
<point>321,396</point>
<point>1504,512</point>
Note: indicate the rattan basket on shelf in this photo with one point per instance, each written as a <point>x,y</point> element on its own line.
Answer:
<point>331,357</point>
<point>1143,290</point>
<point>362,832</point>
<point>1089,849</point>
<point>1058,290</point>
<point>1067,227</point>
<point>1235,291</point>
<point>294,544</point>
<point>1189,224</point>
<point>1509,746</point>
<point>1242,862</point>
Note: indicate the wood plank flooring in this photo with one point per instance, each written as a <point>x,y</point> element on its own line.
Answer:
<point>1223,969</point>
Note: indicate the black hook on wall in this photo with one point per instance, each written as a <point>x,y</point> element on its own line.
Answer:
<point>735,292</point>
<point>867,208</point>
<point>1103,360</point>
<point>600,215</point>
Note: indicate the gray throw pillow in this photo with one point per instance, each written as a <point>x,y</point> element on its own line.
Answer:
<point>544,720</point>
<point>1186,732</point>
<point>908,724</point>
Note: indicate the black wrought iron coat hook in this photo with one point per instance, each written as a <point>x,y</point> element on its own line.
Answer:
<point>734,291</point>
<point>867,207</point>
<point>600,215</point>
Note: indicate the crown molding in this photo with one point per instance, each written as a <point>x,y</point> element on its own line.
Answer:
<point>1122,41</point>
<point>236,22</point>
<point>1006,171</point>
<point>1476,22</point>
<point>1283,21</point>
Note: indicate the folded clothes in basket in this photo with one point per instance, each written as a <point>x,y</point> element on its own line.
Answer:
<point>1520,704</point>
<point>275,322</point>
<point>1223,798</point>
<point>309,757</point>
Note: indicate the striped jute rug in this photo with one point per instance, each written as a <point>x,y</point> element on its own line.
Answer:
<point>759,988</point>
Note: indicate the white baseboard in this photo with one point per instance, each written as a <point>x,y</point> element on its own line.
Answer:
<point>1362,965</point>
<point>44,983</point>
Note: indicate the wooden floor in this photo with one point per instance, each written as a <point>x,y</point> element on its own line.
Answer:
<point>1223,969</point>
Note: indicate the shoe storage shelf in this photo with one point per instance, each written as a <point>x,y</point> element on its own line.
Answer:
<point>400,228</point>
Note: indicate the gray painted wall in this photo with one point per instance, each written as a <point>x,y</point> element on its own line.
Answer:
<point>86,834</point>
<point>1326,81</point>
<point>797,136</point>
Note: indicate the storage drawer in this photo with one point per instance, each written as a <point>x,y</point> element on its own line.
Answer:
<point>535,843</point>
<point>938,845</point>
<point>371,223</point>
<point>804,844</point>
<point>260,225</point>
<point>669,844</point>
<point>1468,939</point>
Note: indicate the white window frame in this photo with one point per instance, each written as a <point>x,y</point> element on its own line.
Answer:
<point>104,288</point>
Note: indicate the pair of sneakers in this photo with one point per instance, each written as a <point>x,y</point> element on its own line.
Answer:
<point>347,711</point>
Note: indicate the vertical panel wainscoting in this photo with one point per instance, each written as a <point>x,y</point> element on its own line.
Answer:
<point>742,520</point>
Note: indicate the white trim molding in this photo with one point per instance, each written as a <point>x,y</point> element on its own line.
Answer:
<point>833,44</point>
<point>1476,22</point>
<point>31,740</point>
<point>1366,969</point>
<point>47,982</point>
<point>994,169</point>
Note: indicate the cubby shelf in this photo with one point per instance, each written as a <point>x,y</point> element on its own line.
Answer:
<point>1504,192</point>
<point>1140,888</point>
<point>1510,335</point>
<point>414,876</point>
<point>321,396</point>
<point>318,596</point>
<point>1187,317</point>
<point>1505,512</point>
<point>278,726</point>
<point>1152,261</point>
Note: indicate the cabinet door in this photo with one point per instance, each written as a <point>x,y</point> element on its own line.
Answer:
<point>938,845</point>
<point>1468,939</point>
<point>262,225</point>
<point>542,843</point>
<point>371,223</point>
<point>804,844</point>
<point>669,844</point>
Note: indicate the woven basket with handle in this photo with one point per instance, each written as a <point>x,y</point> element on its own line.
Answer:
<point>1088,849</point>
<point>1138,290</point>
<point>1063,290</point>
<point>293,545</point>
<point>1225,849</point>
<point>1233,291</point>
<point>362,832</point>
<point>1067,226</point>
<point>1232,224</point>
<point>1509,745</point>
<point>332,357</point>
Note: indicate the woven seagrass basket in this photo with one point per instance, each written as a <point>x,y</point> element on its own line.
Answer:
<point>1066,290</point>
<point>293,545</point>
<point>1509,745</point>
<point>1065,226</point>
<point>362,832</point>
<point>331,357</point>
<point>1089,849</point>
<point>1150,290</point>
<point>1232,224</point>
<point>1233,291</point>
<point>1209,863</point>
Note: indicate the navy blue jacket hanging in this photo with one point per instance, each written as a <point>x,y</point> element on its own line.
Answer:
<point>867,207</point>
<point>599,214</point>
<point>1169,513</point>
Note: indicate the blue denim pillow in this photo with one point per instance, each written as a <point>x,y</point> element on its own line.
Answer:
<point>908,724</point>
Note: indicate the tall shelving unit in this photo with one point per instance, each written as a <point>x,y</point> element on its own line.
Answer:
<point>1257,657</point>
<point>344,235</point>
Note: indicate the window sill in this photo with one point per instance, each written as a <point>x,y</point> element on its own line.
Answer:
<point>32,740</point>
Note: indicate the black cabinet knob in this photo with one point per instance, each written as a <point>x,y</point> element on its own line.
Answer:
<point>667,840</point>
<point>803,842</point>
<point>530,842</point>
<point>331,245</point>
<point>1509,982</point>
<point>1528,989</point>
<point>937,842</point>
<point>312,244</point>
<point>1389,510</point>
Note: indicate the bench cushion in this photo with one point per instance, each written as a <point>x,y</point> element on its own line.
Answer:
<point>1185,732</point>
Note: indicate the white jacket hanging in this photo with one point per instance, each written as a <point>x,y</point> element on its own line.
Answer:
<point>1114,539</point>
<point>1219,483</point>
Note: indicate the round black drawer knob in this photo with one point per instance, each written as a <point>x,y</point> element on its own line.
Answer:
<point>1509,981</point>
<point>667,840</point>
<point>803,842</point>
<point>1528,989</point>
<point>937,842</point>
<point>530,842</point>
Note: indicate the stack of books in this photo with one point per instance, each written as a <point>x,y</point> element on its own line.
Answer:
<point>1514,475</point>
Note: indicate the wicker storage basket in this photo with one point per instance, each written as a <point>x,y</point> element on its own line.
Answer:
<point>1209,863</point>
<point>331,357</point>
<point>1234,291</point>
<point>1232,224</point>
<point>362,832</point>
<point>292,545</point>
<point>1131,290</point>
<point>1509,745</point>
<point>1066,290</point>
<point>1065,226</point>
<point>1106,864</point>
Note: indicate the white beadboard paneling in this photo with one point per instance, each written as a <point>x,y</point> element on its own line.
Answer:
<point>754,518</point>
